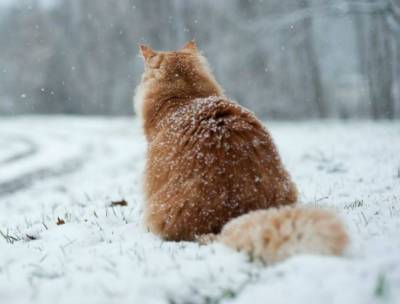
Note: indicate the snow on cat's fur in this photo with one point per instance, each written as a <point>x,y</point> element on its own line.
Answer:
<point>210,161</point>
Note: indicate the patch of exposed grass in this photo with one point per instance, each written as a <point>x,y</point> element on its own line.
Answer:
<point>356,204</point>
<point>11,239</point>
<point>381,288</point>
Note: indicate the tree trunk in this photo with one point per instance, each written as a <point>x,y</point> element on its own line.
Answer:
<point>312,62</point>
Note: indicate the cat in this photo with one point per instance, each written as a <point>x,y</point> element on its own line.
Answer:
<point>213,172</point>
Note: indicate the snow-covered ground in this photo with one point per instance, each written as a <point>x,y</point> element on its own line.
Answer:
<point>71,169</point>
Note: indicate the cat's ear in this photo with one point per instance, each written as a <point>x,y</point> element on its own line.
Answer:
<point>190,46</point>
<point>146,51</point>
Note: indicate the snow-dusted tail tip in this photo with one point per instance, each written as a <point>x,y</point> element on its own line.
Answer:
<point>276,234</point>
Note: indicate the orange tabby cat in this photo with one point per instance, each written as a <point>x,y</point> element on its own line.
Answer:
<point>209,161</point>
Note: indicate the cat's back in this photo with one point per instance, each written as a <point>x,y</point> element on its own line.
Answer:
<point>211,161</point>
<point>214,140</point>
<point>213,122</point>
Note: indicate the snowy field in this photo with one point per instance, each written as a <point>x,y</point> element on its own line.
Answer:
<point>63,241</point>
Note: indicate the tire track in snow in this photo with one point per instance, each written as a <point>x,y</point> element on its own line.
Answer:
<point>29,150</point>
<point>28,179</point>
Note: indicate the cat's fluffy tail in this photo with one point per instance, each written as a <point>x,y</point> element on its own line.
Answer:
<point>274,234</point>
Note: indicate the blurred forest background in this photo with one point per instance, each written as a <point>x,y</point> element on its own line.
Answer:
<point>284,59</point>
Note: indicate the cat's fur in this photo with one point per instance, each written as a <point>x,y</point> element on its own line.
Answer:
<point>209,160</point>
<point>273,235</point>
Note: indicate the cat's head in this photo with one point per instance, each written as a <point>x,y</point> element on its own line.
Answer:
<point>179,74</point>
